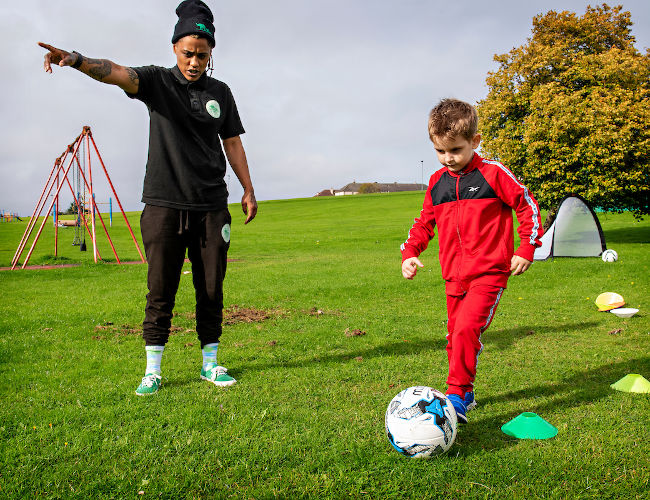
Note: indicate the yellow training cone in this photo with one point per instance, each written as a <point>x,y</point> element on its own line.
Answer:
<point>632,382</point>
<point>609,300</point>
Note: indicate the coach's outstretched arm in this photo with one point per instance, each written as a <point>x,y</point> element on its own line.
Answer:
<point>102,70</point>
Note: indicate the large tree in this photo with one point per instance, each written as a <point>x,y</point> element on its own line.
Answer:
<point>568,112</point>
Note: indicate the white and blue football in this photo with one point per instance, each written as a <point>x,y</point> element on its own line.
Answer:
<point>421,422</point>
<point>609,255</point>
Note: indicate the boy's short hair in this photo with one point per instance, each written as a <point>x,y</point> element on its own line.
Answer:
<point>452,117</point>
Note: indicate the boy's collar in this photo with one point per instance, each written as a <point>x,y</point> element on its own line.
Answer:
<point>473,163</point>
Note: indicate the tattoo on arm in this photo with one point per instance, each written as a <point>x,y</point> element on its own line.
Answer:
<point>98,68</point>
<point>133,76</point>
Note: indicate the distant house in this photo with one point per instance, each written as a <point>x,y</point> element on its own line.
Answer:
<point>355,187</point>
<point>352,188</point>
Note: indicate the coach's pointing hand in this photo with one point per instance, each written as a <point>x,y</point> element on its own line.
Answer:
<point>57,56</point>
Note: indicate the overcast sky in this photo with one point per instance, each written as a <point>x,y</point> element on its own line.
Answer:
<point>329,91</point>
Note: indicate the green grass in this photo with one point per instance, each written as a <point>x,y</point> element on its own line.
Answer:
<point>306,417</point>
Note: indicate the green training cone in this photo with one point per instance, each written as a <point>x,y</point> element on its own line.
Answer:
<point>529,425</point>
<point>632,382</point>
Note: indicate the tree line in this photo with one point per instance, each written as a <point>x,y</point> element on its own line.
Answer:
<point>568,111</point>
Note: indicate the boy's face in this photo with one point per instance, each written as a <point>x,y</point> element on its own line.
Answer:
<point>455,152</point>
<point>192,56</point>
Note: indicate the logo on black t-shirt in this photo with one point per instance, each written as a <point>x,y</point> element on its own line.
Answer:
<point>213,108</point>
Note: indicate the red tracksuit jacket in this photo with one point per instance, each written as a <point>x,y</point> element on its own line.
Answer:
<point>473,212</point>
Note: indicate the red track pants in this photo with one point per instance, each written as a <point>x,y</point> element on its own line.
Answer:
<point>469,312</point>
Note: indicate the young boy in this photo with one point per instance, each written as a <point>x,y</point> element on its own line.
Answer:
<point>191,116</point>
<point>471,202</point>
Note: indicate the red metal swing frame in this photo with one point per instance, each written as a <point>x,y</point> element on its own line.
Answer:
<point>58,174</point>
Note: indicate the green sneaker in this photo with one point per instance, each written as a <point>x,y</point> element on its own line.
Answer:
<point>217,375</point>
<point>149,385</point>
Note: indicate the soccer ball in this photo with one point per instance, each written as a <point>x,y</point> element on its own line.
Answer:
<point>421,422</point>
<point>609,256</point>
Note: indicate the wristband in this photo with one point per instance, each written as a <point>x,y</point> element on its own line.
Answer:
<point>79,60</point>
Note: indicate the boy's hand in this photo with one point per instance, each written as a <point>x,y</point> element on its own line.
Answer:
<point>410,267</point>
<point>519,265</point>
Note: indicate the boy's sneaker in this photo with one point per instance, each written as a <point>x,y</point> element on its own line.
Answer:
<point>217,375</point>
<point>150,384</point>
<point>470,402</point>
<point>459,406</point>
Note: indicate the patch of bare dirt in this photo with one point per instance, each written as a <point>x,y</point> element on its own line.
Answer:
<point>354,333</point>
<point>235,314</point>
<point>124,330</point>
<point>118,331</point>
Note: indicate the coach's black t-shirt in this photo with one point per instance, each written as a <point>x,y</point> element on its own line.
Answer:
<point>186,164</point>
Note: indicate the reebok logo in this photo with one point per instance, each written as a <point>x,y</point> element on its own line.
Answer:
<point>201,27</point>
<point>472,189</point>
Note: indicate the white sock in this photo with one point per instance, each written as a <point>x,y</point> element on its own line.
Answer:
<point>154,357</point>
<point>209,352</point>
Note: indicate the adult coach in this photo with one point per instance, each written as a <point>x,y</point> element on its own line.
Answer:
<point>191,116</point>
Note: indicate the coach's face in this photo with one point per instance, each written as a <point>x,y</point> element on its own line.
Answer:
<point>192,56</point>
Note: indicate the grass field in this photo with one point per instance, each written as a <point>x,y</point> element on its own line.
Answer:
<point>306,417</point>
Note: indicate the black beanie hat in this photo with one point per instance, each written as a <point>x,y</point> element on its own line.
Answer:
<point>194,18</point>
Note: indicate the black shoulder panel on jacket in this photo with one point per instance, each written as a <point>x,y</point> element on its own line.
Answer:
<point>444,190</point>
<point>473,186</point>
